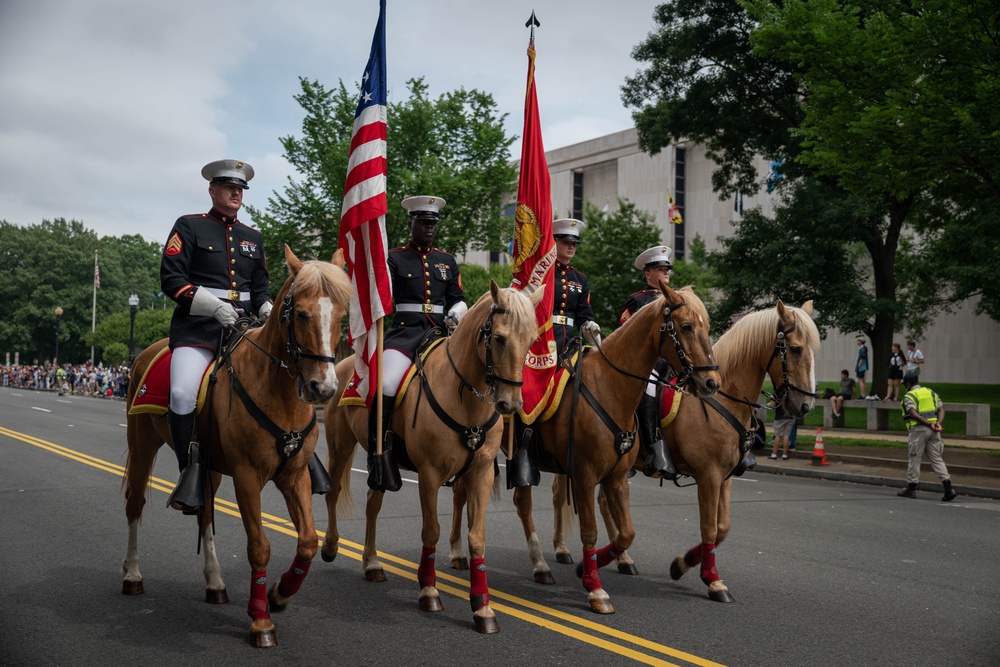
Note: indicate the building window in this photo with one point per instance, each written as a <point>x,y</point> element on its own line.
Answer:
<point>679,174</point>
<point>578,195</point>
<point>738,203</point>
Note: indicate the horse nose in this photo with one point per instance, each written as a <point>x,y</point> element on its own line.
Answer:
<point>508,407</point>
<point>712,385</point>
<point>323,390</point>
<point>805,408</point>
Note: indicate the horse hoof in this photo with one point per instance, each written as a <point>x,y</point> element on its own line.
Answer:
<point>627,568</point>
<point>564,558</point>
<point>675,571</point>
<point>545,578</point>
<point>460,563</point>
<point>272,601</point>
<point>132,587</point>
<point>602,607</point>
<point>487,626</point>
<point>430,603</point>
<point>262,634</point>
<point>579,571</point>
<point>721,595</point>
<point>216,596</point>
<point>376,575</point>
<point>327,558</point>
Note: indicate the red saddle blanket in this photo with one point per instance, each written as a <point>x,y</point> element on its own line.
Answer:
<point>351,396</point>
<point>154,387</point>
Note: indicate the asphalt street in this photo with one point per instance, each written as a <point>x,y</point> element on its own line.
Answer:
<point>823,572</point>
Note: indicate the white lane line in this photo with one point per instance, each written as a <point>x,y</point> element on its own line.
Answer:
<point>40,409</point>
<point>59,400</point>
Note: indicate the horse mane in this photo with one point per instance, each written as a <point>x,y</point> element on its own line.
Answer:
<point>317,276</point>
<point>518,307</point>
<point>745,337</point>
<point>690,298</point>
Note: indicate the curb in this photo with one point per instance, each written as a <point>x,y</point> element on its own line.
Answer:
<point>875,480</point>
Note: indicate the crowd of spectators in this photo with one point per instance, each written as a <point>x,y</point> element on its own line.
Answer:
<point>69,379</point>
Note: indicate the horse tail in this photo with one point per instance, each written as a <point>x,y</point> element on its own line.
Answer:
<point>498,488</point>
<point>345,502</point>
<point>568,517</point>
<point>143,444</point>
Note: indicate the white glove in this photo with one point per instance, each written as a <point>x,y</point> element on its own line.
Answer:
<point>206,304</point>
<point>455,315</point>
<point>264,311</point>
<point>591,331</point>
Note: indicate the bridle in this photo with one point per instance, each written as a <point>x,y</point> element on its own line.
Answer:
<point>781,348</point>
<point>293,351</point>
<point>492,377</point>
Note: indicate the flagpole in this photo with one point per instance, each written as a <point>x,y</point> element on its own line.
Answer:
<point>93,313</point>
<point>378,388</point>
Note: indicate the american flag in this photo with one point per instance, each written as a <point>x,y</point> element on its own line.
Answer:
<point>97,274</point>
<point>362,224</point>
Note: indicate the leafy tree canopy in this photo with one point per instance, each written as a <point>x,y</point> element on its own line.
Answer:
<point>452,146</point>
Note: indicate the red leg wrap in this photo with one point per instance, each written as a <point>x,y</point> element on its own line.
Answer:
<point>426,576</point>
<point>292,580</point>
<point>479,592</point>
<point>693,557</point>
<point>708,572</point>
<point>257,607</point>
<point>591,580</point>
<point>606,554</point>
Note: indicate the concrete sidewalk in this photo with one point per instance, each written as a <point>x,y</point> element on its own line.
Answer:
<point>973,463</point>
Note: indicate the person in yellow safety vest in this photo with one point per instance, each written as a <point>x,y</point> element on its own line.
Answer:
<point>923,414</point>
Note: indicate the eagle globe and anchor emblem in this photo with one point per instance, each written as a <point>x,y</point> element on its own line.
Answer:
<point>527,235</point>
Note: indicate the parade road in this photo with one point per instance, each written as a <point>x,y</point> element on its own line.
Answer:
<point>823,573</point>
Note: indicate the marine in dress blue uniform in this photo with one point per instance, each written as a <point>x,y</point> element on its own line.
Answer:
<point>571,305</point>
<point>213,266</point>
<point>655,266</point>
<point>426,293</point>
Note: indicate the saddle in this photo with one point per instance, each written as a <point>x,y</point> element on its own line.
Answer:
<point>154,387</point>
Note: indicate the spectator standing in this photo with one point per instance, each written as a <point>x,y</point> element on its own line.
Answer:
<point>846,393</point>
<point>783,423</point>
<point>923,413</point>
<point>861,366</point>
<point>914,359</point>
<point>896,363</point>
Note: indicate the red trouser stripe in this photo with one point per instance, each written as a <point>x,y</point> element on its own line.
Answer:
<point>606,554</point>
<point>292,580</point>
<point>479,592</point>
<point>591,580</point>
<point>708,572</point>
<point>257,607</point>
<point>426,576</point>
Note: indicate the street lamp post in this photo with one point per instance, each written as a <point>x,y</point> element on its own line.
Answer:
<point>133,306</point>
<point>59,312</point>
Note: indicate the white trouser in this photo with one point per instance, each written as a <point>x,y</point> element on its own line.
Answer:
<point>187,367</point>
<point>652,386</point>
<point>394,367</point>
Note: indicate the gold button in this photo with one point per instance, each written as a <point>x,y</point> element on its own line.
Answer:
<point>232,273</point>
<point>232,250</point>
<point>210,248</point>
<point>232,261</point>
<point>426,273</point>
<point>230,238</point>
<point>234,284</point>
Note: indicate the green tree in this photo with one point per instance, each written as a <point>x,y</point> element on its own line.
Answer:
<point>453,146</point>
<point>885,116</point>
<point>476,279</point>
<point>150,326</point>
<point>608,247</point>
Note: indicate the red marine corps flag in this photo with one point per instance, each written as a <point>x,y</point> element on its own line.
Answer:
<point>534,247</point>
<point>362,224</point>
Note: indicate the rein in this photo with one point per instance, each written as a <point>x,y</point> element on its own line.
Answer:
<point>780,348</point>
<point>745,436</point>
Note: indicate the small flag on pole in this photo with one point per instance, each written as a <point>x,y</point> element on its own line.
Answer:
<point>97,274</point>
<point>673,211</point>
<point>362,233</point>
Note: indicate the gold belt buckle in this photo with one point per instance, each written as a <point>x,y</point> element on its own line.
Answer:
<point>234,295</point>
<point>559,319</point>
<point>427,307</point>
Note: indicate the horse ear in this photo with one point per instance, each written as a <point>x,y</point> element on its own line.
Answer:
<point>783,313</point>
<point>807,307</point>
<point>293,262</point>
<point>495,292</point>
<point>672,297</point>
<point>537,296</point>
<point>338,258</point>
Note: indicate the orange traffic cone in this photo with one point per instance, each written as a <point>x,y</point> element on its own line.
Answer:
<point>819,452</point>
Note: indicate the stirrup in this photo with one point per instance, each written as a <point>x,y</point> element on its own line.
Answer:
<point>318,477</point>
<point>188,495</point>
<point>383,473</point>
<point>521,470</point>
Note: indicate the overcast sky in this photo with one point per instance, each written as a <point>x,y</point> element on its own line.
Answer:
<point>109,108</point>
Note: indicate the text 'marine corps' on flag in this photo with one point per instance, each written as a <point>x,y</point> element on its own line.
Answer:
<point>362,233</point>
<point>535,252</point>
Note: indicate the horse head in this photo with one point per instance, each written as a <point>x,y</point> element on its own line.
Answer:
<point>792,366</point>
<point>684,340</point>
<point>314,301</point>
<point>507,328</point>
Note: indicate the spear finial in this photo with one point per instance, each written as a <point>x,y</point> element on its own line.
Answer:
<point>532,23</point>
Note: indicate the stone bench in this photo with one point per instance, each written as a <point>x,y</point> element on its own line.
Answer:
<point>977,415</point>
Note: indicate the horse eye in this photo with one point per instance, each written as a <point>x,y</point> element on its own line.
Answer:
<point>687,326</point>
<point>500,339</point>
<point>302,315</point>
<point>796,350</point>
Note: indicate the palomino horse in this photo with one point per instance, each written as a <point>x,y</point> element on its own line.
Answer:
<point>674,327</point>
<point>458,390</point>
<point>283,368</point>
<point>708,443</point>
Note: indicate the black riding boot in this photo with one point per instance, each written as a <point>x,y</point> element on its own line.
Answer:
<point>521,470</point>
<point>320,479</point>
<point>189,493</point>
<point>949,493</point>
<point>909,492</point>
<point>658,461</point>
<point>383,473</point>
